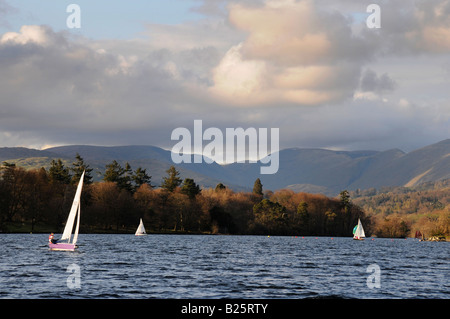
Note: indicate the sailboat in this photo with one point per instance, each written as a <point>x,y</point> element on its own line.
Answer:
<point>75,211</point>
<point>358,231</point>
<point>141,229</point>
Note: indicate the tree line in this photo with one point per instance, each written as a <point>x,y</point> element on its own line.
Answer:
<point>405,211</point>
<point>39,197</point>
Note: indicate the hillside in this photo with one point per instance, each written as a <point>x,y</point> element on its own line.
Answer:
<point>401,211</point>
<point>8,153</point>
<point>309,170</point>
<point>332,171</point>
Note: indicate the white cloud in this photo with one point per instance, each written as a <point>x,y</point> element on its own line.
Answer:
<point>240,81</point>
<point>293,53</point>
<point>28,34</point>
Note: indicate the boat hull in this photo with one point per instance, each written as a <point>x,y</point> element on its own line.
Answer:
<point>358,238</point>
<point>141,234</point>
<point>62,247</point>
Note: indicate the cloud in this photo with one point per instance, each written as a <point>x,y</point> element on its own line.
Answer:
<point>433,31</point>
<point>370,82</point>
<point>311,69</point>
<point>28,34</point>
<point>412,28</point>
<point>50,83</point>
<point>292,54</point>
<point>237,79</point>
<point>284,32</point>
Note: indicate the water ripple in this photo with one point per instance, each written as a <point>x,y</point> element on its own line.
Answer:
<point>172,266</point>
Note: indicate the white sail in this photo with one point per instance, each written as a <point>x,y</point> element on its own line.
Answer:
<point>141,229</point>
<point>359,233</point>
<point>73,213</point>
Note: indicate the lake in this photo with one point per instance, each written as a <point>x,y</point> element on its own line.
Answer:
<point>213,267</point>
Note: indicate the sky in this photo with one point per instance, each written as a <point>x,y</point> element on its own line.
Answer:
<point>136,70</point>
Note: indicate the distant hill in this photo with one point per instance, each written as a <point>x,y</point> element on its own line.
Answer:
<point>7,153</point>
<point>309,170</point>
<point>329,172</point>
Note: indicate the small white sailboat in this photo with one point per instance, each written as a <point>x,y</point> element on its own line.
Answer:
<point>141,229</point>
<point>358,231</point>
<point>75,211</point>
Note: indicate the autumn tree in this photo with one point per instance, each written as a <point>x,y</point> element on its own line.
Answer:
<point>37,196</point>
<point>302,217</point>
<point>221,221</point>
<point>25,195</point>
<point>393,227</point>
<point>146,198</point>
<point>112,207</point>
<point>12,186</point>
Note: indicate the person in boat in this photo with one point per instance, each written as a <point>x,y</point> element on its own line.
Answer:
<point>51,239</point>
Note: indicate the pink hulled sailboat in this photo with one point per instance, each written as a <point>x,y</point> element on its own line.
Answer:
<point>70,243</point>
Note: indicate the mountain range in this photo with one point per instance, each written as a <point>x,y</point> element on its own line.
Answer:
<point>307,170</point>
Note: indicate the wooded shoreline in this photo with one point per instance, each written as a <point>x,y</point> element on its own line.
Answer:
<point>38,201</point>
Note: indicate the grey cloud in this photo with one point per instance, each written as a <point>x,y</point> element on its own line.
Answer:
<point>68,86</point>
<point>371,82</point>
<point>72,90</point>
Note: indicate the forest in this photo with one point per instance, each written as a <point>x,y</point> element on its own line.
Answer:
<point>405,211</point>
<point>38,200</point>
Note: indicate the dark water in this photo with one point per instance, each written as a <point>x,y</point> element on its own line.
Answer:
<point>198,267</point>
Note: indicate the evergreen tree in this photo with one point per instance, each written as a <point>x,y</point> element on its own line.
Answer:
<point>345,200</point>
<point>125,179</point>
<point>59,173</point>
<point>140,178</point>
<point>190,188</point>
<point>220,187</point>
<point>121,176</point>
<point>79,166</point>
<point>271,216</point>
<point>172,181</point>
<point>257,187</point>
<point>113,172</point>
<point>346,206</point>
